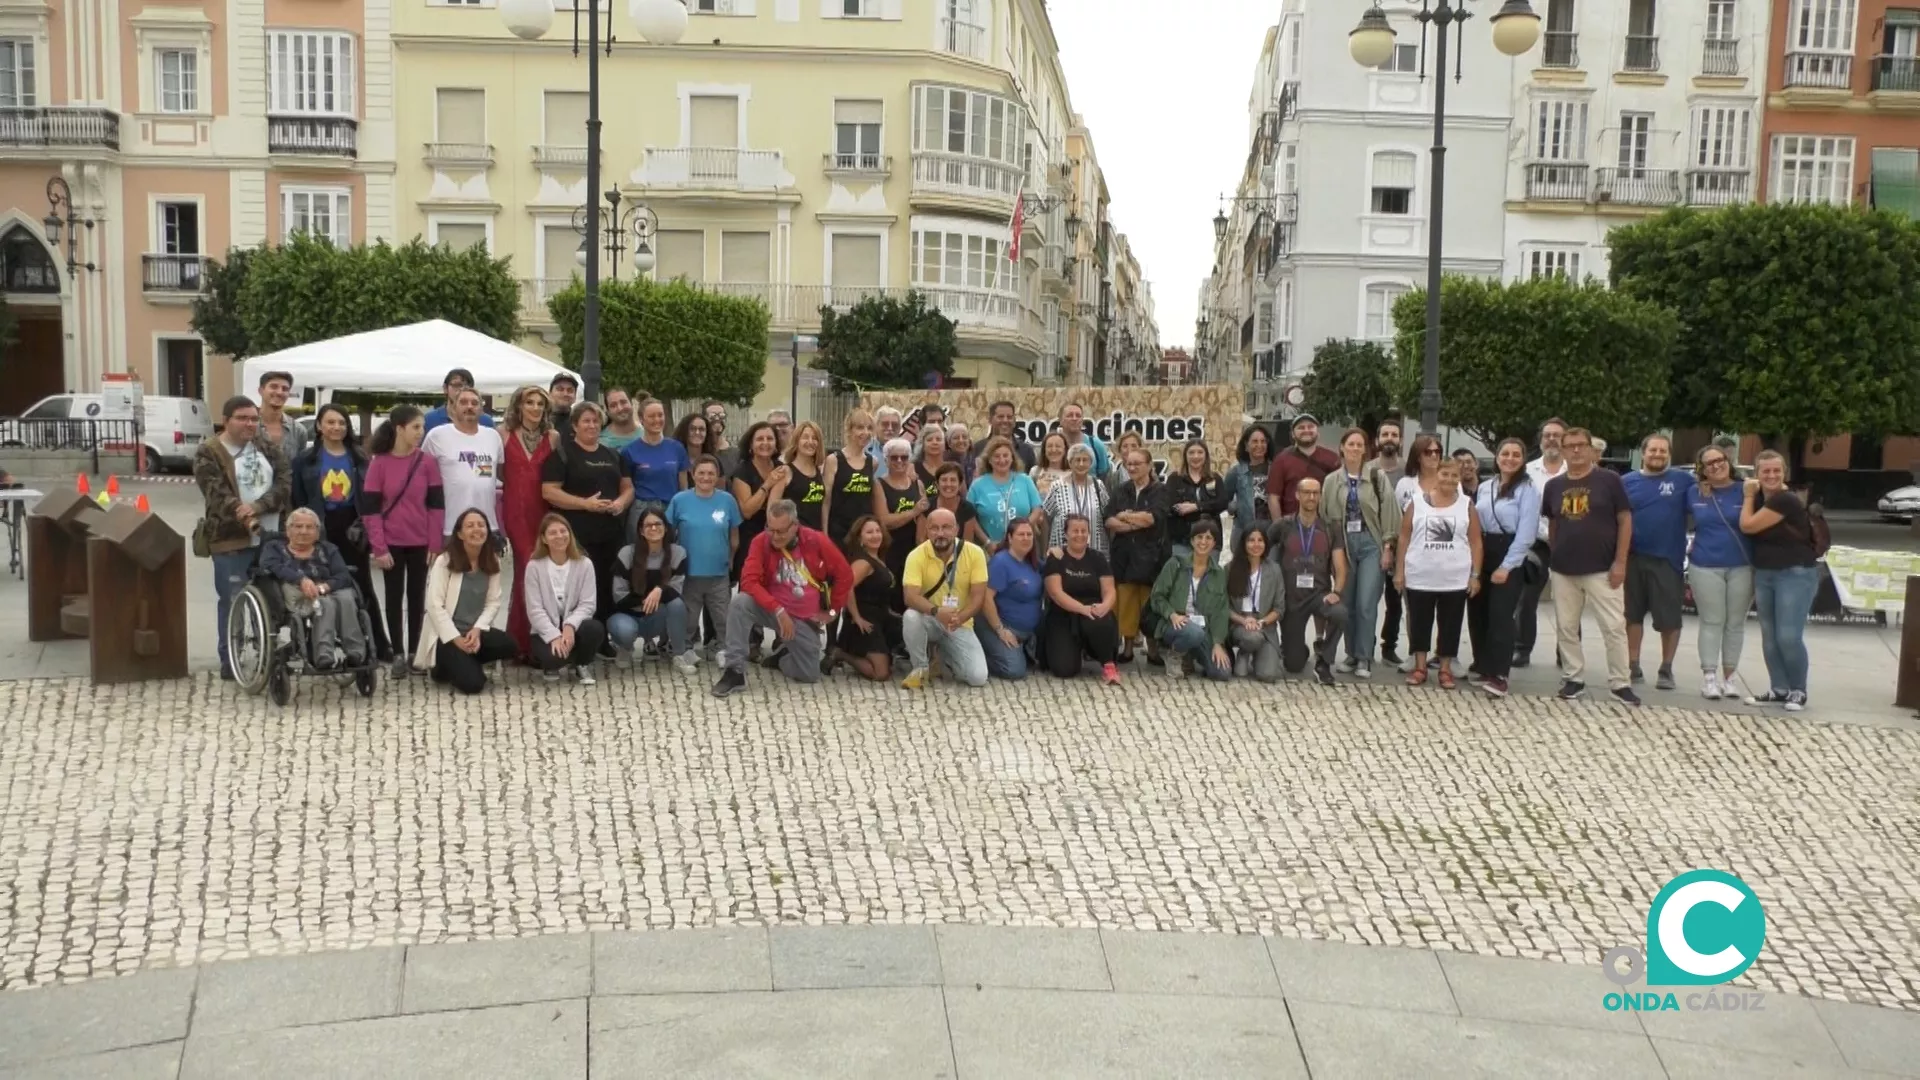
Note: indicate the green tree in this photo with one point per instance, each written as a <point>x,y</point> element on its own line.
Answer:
<point>1349,381</point>
<point>886,343</point>
<point>669,337</point>
<point>309,290</point>
<point>1795,321</point>
<point>216,311</point>
<point>1513,355</point>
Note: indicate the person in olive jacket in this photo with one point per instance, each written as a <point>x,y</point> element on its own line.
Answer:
<point>1190,605</point>
<point>1136,546</point>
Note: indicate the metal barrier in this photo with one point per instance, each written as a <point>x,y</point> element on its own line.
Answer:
<point>91,437</point>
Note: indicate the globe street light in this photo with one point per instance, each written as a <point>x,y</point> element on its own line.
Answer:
<point>661,22</point>
<point>1515,30</point>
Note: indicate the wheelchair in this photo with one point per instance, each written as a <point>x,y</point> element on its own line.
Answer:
<point>269,647</point>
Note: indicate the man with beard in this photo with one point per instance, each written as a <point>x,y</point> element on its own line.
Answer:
<point>1657,558</point>
<point>440,415</point>
<point>1306,459</point>
<point>1313,564</point>
<point>1387,442</point>
<point>563,391</point>
<point>1073,420</point>
<point>944,586</point>
<point>1000,422</point>
<point>622,426</point>
<point>794,582</point>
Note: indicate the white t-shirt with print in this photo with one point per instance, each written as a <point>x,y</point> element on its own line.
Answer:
<point>469,470</point>
<point>253,473</point>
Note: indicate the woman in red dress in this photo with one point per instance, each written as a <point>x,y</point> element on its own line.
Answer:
<point>529,439</point>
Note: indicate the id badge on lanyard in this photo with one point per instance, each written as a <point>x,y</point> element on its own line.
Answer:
<point>952,602</point>
<point>1306,580</point>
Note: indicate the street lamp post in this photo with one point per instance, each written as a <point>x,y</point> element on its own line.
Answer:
<point>637,219</point>
<point>61,215</point>
<point>661,22</point>
<point>1515,29</point>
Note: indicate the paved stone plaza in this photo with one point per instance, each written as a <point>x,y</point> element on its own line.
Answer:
<point>179,823</point>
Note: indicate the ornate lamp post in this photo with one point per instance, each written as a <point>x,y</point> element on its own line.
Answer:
<point>1515,29</point>
<point>661,22</point>
<point>637,220</point>
<point>62,222</point>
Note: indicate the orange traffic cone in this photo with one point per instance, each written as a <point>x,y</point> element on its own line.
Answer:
<point>83,487</point>
<point>113,487</point>
<point>140,504</point>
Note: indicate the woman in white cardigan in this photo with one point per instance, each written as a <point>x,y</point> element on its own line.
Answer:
<point>560,592</point>
<point>463,598</point>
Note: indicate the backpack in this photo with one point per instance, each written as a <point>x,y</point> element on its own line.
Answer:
<point>1819,535</point>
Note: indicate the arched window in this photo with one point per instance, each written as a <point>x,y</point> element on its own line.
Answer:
<point>25,266</point>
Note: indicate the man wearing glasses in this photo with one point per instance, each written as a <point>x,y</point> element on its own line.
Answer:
<point>440,415</point>
<point>1590,522</point>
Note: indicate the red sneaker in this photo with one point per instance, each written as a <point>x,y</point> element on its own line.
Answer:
<point>1495,687</point>
<point>1110,674</point>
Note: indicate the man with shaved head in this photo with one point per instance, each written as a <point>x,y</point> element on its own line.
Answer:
<point>945,584</point>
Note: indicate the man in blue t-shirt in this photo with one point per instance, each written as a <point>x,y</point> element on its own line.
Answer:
<point>657,462</point>
<point>457,380</point>
<point>1657,559</point>
<point>706,522</point>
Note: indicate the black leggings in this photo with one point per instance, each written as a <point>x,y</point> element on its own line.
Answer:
<point>467,671</point>
<point>1069,635</point>
<point>587,639</point>
<point>1423,608</point>
<point>407,580</point>
<point>360,562</point>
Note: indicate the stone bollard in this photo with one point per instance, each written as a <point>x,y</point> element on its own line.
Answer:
<point>137,580</point>
<point>57,532</point>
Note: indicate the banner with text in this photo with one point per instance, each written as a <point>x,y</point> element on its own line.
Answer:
<point>1165,417</point>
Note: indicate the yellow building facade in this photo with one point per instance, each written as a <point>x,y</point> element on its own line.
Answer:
<point>806,152</point>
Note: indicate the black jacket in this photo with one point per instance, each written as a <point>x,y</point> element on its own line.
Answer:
<point>306,479</point>
<point>1210,494</point>
<point>1138,555</point>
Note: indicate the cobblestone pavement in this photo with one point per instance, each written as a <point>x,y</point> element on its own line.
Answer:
<point>176,823</point>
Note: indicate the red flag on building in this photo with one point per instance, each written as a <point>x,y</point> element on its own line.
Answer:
<point>1017,225</point>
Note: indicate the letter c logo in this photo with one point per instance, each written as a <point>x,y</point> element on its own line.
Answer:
<point>1721,912</point>
<point>1673,928</point>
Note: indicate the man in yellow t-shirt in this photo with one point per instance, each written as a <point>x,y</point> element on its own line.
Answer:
<point>944,585</point>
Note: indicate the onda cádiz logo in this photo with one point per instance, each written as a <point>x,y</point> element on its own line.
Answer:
<point>1705,927</point>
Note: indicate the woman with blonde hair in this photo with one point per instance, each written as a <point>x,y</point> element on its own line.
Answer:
<point>528,439</point>
<point>931,453</point>
<point>806,458</point>
<point>849,475</point>
<point>560,597</point>
<point>960,448</point>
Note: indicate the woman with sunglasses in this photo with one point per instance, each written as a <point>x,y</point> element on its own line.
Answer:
<point>1720,572</point>
<point>1423,471</point>
<point>901,503</point>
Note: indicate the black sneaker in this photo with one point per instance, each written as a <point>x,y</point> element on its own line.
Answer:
<point>1635,674</point>
<point>1626,696</point>
<point>1521,659</point>
<point>1571,691</point>
<point>608,652</point>
<point>1663,679</point>
<point>731,682</point>
<point>1324,673</point>
<point>1390,655</point>
<point>772,660</point>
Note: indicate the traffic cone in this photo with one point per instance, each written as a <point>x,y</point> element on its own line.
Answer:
<point>140,504</point>
<point>113,487</point>
<point>83,487</point>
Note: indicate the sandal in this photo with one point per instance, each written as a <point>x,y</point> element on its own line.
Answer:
<point>1418,677</point>
<point>1446,680</point>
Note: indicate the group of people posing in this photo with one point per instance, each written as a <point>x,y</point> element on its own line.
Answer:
<point>574,530</point>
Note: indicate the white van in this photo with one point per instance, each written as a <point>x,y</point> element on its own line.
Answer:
<point>174,430</point>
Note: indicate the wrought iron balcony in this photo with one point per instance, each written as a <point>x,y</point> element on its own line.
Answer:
<point>1643,53</point>
<point>1718,187</point>
<point>325,136</point>
<point>1560,49</point>
<point>1557,181</point>
<point>1637,187</point>
<point>1720,56</point>
<point>1826,71</point>
<point>60,125</point>
<point>173,273</point>
<point>1900,74</point>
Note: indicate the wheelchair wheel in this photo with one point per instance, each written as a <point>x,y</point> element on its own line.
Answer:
<point>367,681</point>
<point>279,684</point>
<point>250,640</point>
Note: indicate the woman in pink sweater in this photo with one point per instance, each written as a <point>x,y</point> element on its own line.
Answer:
<point>404,510</point>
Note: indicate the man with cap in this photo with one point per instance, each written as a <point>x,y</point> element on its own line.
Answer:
<point>457,380</point>
<point>563,391</point>
<point>1306,459</point>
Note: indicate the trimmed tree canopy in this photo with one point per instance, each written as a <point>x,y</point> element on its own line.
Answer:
<point>1511,356</point>
<point>1349,381</point>
<point>1795,321</point>
<point>671,338</point>
<point>886,343</point>
<point>267,299</point>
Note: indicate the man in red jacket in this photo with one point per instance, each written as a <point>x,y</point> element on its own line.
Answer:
<point>1306,459</point>
<point>794,581</point>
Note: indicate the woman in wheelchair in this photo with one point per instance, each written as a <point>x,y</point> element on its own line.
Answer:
<point>317,585</point>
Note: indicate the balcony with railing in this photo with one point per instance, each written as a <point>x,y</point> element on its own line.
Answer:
<point>1643,53</point>
<point>1720,56</point>
<point>454,153</point>
<point>60,125</point>
<point>1896,74</point>
<point>314,136</point>
<point>567,157</point>
<point>714,168</point>
<point>184,274</point>
<point>1560,49</point>
<point>1718,187</point>
<point>1637,187</point>
<point>941,173</point>
<point>963,39</point>
<point>1819,71</point>
<point>866,166</point>
<point>1270,363</point>
<point>1557,181</point>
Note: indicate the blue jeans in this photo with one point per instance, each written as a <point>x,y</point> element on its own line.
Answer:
<point>1365,582</point>
<point>669,618</point>
<point>1191,640</point>
<point>1786,599</point>
<point>231,573</point>
<point>1004,661</point>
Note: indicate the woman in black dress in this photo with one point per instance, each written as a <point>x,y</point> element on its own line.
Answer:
<point>849,476</point>
<point>761,479</point>
<point>806,457</point>
<point>862,641</point>
<point>901,504</point>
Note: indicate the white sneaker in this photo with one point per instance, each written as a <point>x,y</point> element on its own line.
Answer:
<point>687,663</point>
<point>585,674</point>
<point>550,676</point>
<point>1363,670</point>
<point>1796,701</point>
<point>1710,686</point>
<point>1406,666</point>
<point>1348,666</point>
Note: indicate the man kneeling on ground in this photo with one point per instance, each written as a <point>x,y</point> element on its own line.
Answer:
<point>795,581</point>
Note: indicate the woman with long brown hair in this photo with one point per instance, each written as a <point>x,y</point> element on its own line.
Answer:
<point>528,439</point>
<point>806,457</point>
<point>462,597</point>
<point>693,433</point>
<point>1508,508</point>
<point>863,638</point>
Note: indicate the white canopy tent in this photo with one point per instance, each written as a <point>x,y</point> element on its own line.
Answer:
<point>411,359</point>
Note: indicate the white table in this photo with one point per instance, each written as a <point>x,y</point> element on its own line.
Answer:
<point>13,511</point>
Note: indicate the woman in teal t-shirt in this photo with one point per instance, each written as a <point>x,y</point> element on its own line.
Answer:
<point>1001,495</point>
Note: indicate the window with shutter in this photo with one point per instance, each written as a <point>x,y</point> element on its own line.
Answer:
<point>856,130</point>
<point>565,117</point>
<point>713,121</point>
<point>680,253</point>
<point>856,261</point>
<point>460,235</point>
<point>559,248</point>
<point>460,117</point>
<point>1393,182</point>
<point>746,257</point>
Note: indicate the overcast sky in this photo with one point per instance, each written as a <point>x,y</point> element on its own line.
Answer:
<point>1163,87</point>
